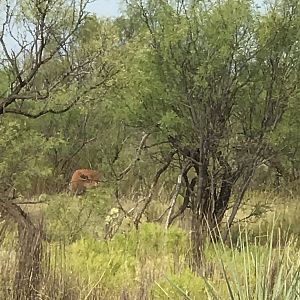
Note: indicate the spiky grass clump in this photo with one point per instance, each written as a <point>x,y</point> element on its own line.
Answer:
<point>259,270</point>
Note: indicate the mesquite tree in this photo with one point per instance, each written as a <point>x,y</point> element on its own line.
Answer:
<point>213,79</point>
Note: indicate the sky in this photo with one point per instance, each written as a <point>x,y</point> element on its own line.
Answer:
<point>105,8</point>
<point>111,8</point>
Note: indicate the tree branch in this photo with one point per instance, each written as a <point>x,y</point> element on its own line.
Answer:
<point>46,29</point>
<point>153,185</point>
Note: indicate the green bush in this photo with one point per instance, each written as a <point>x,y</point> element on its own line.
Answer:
<point>70,218</point>
<point>184,285</point>
<point>127,258</point>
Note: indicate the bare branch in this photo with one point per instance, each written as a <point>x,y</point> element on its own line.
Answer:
<point>173,201</point>
<point>19,216</point>
<point>242,190</point>
<point>40,113</point>
<point>35,50</point>
<point>152,188</point>
<point>137,157</point>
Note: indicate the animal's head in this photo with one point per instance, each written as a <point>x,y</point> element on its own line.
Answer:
<point>83,179</point>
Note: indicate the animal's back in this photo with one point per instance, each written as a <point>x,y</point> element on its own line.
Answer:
<point>83,179</point>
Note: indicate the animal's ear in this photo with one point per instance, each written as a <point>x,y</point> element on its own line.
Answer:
<point>82,176</point>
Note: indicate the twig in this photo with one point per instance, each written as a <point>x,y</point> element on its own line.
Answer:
<point>173,200</point>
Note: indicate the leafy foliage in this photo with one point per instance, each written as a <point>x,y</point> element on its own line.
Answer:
<point>22,162</point>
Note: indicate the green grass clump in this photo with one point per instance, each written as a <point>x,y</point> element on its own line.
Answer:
<point>182,285</point>
<point>128,261</point>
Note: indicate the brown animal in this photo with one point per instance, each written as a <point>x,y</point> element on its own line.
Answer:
<point>82,180</point>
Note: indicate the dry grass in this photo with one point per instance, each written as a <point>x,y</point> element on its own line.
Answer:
<point>153,263</point>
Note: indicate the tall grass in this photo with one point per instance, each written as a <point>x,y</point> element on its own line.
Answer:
<point>259,262</point>
<point>266,269</point>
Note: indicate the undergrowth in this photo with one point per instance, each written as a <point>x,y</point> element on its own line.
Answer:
<point>259,261</point>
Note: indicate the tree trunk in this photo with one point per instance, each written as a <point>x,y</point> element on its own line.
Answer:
<point>28,274</point>
<point>208,209</point>
<point>201,216</point>
<point>198,237</point>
